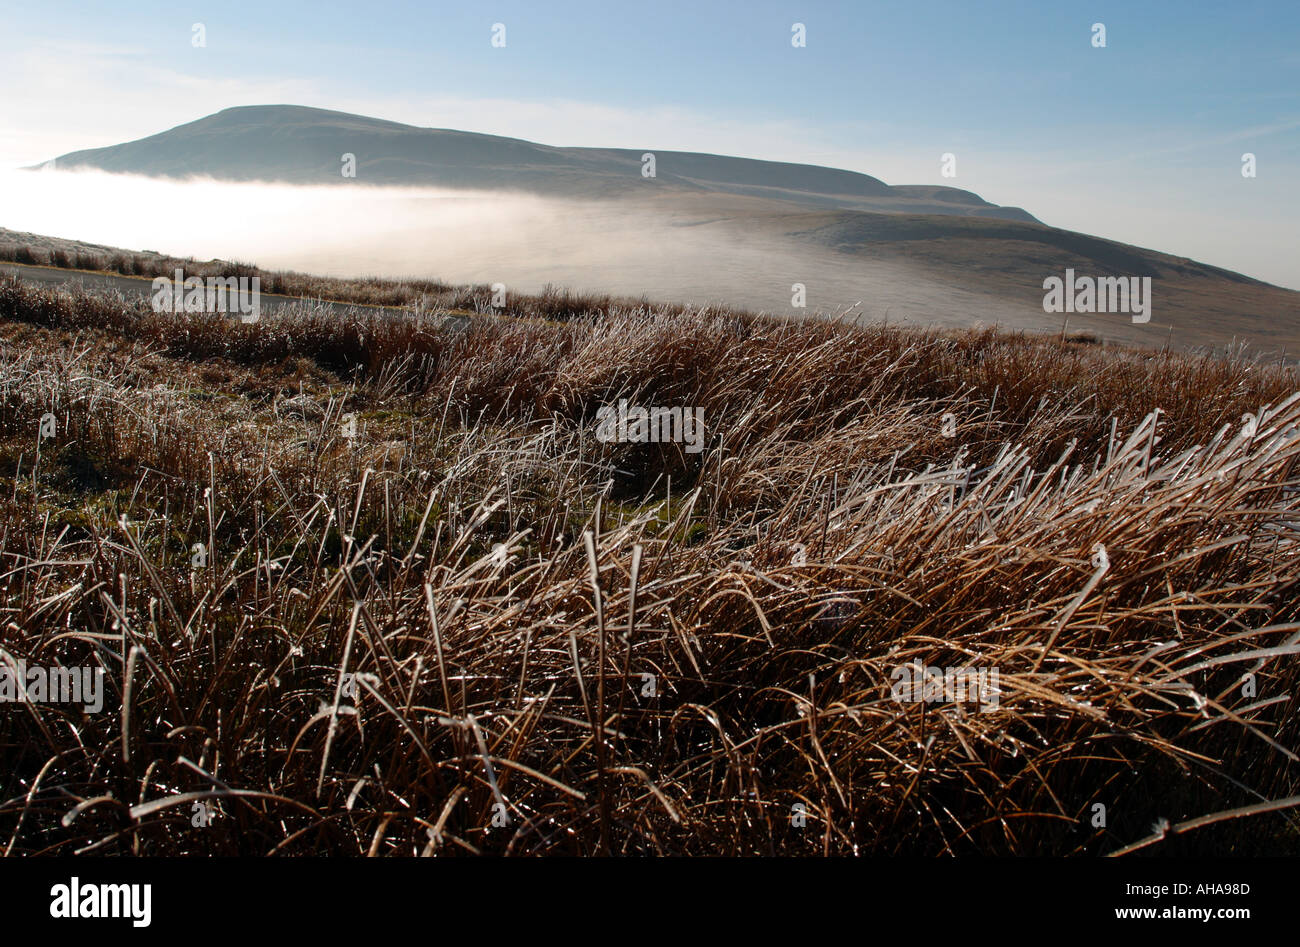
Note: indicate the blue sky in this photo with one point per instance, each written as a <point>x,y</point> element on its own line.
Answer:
<point>1140,141</point>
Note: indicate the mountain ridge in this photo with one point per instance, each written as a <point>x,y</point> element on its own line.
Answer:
<point>304,145</point>
<point>708,228</point>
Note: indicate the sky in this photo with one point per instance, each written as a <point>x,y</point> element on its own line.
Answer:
<point>1140,140</point>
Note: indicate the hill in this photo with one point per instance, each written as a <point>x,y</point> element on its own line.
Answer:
<point>301,145</point>
<point>725,230</point>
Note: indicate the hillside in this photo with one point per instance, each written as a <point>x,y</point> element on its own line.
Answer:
<point>374,585</point>
<point>303,145</point>
<point>708,229</point>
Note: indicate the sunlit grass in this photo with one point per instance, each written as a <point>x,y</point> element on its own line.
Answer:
<point>828,533</point>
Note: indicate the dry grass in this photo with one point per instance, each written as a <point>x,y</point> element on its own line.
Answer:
<point>419,294</point>
<point>501,582</point>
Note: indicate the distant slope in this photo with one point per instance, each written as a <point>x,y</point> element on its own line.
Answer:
<point>727,230</point>
<point>305,146</point>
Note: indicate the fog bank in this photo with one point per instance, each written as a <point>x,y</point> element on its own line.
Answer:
<point>524,241</point>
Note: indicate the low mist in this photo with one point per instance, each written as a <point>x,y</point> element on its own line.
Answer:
<point>525,241</point>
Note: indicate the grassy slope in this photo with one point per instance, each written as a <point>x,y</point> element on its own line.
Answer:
<point>816,544</point>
